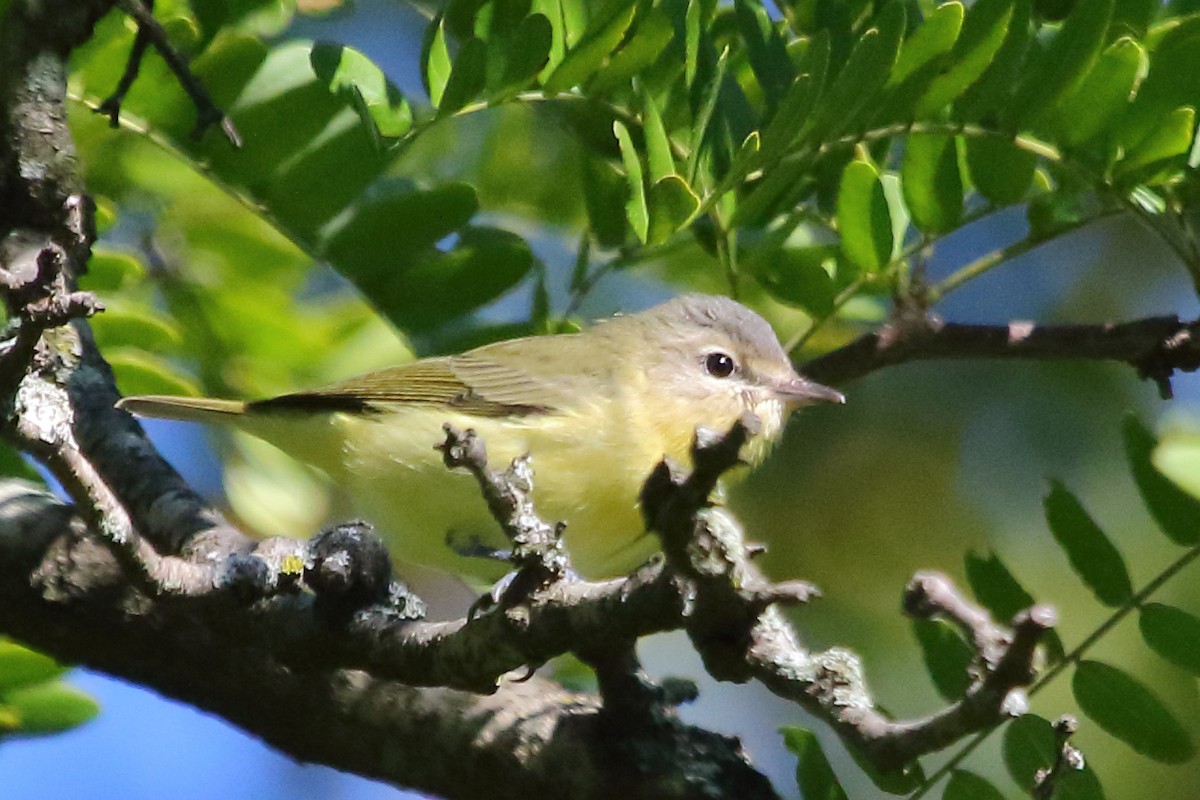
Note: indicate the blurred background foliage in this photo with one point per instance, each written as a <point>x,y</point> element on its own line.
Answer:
<point>418,178</point>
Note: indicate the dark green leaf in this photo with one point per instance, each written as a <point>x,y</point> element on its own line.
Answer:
<point>983,31</point>
<point>395,221</point>
<point>1002,595</point>
<point>901,781</point>
<point>636,209</point>
<point>814,776</point>
<point>1001,171</point>
<point>1064,62</point>
<point>931,181</point>
<point>864,221</point>
<point>1128,710</point>
<point>798,277</point>
<point>582,60</point>
<point>867,70</point>
<point>986,98</point>
<point>12,465</point>
<point>604,193</point>
<point>349,73</point>
<point>1176,512</point>
<point>670,204</point>
<point>49,707</point>
<point>20,666</point>
<point>439,286</point>
<point>1172,633</point>
<point>651,36</point>
<point>1028,747</point>
<point>765,47</point>
<point>467,77</point>
<point>947,656</point>
<point>1094,558</point>
<point>1104,94</point>
<point>965,785</point>
<point>526,52</point>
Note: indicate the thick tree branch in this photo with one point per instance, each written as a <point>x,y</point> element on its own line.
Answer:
<point>1156,346</point>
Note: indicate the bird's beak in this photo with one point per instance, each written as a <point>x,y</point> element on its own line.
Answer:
<point>802,391</point>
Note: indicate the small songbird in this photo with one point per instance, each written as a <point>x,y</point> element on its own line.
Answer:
<point>596,411</point>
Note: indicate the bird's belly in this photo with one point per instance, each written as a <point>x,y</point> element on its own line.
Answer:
<point>430,515</point>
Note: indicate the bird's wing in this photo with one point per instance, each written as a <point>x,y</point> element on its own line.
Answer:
<point>492,381</point>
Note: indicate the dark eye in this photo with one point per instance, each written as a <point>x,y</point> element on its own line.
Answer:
<point>719,365</point>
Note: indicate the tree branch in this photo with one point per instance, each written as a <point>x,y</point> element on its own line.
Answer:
<point>1156,346</point>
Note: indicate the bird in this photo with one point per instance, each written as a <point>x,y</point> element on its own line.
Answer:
<point>596,411</point>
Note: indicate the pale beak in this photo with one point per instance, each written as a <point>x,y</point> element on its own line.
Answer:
<point>802,391</point>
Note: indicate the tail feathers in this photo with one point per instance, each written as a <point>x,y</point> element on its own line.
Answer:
<point>197,409</point>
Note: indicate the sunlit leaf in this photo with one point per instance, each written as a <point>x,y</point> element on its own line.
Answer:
<point>983,31</point>
<point>659,160</point>
<point>348,72</point>
<point>636,209</point>
<point>20,666</point>
<point>1104,93</point>
<point>1126,708</point>
<point>864,220</point>
<point>582,60</point>
<point>670,204</point>
<point>1171,140</point>
<point>109,270</point>
<point>140,372</point>
<point>934,37</point>
<point>1172,82</point>
<point>49,707</point>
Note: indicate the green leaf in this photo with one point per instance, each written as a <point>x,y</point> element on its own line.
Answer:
<point>49,707</point>
<point>1028,747</point>
<point>814,775</point>
<point>20,666</point>
<point>997,590</point>
<point>138,327</point>
<point>864,221</point>
<point>765,48</point>
<point>604,193</point>
<point>867,70</point>
<point>931,181</point>
<point>526,53</point>
<point>799,276</point>
<point>347,72</point>
<point>439,286</point>
<point>1172,82</point>
<point>965,785</point>
<point>1170,140</point>
<point>436,64</point>
<point>140,372</point>
<point>585,58</point>
<point>368,237</point>
<point>110,270</point>
<point>12,465</point>
<point>691,47</point>
<point>1104,94</point>
<point>1178,457</point>
<point>1063,63</point>
<point>659,160</point>
<point>1176,512</point>
<point>636,209</point>
<point>1124,707</point>
<point>983,31</point>
<point>933,38</point>
<point>1172,633</point>
<point>1092,555</point>
<point>947,656</point>
<point>467,77</point>
<point>1000,171</point>
<point>670,204</point>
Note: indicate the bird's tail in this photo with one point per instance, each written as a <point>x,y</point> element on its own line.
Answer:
<point>196,409</point>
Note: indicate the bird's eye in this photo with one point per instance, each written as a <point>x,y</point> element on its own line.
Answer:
<point>719,365</point>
